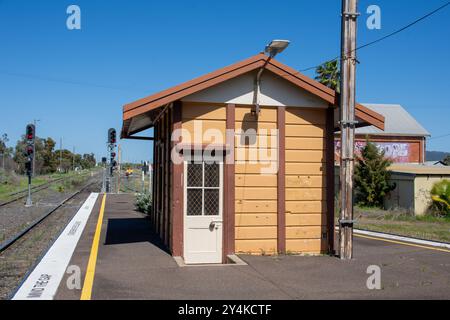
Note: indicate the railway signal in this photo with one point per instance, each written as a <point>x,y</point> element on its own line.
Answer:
<point>112,140</point>
<point>112,136</point>
<point>30,136</point>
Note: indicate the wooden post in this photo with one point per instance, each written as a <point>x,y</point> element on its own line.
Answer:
<point>347,123</point>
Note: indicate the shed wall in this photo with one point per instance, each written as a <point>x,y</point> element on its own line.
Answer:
<point>256,193</point>
<point>306,180</point>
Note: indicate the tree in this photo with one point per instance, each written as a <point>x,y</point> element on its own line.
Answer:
<point>372,177</point>
<point>50,163</point>
<point>447,160</point>
<point>329,75</point>
<point>88,161</point>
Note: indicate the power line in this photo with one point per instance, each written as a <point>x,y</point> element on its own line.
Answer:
<point>443,136</point>
<point>388,35</point>
<point>66,81</point>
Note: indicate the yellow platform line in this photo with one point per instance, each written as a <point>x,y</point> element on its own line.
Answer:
<point>86,293</point>
<point>401,242</point>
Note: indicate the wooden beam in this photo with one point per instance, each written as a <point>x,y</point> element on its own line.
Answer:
<point>229,185</point>
<point>177,217</point>
<point>281,192</point>
<point>329,149</point>
<point>141,138</point>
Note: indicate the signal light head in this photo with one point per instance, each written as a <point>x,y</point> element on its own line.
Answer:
<point>30,150</point>
<point>30,132</point>
<point>113,154</point>
<point>112,137</point>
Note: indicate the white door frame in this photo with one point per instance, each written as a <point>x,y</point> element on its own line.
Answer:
<point>217,219</point>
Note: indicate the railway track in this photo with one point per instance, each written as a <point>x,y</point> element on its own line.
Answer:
<point>21,252</point>
<point>6,244</point>
<point>16,196</point>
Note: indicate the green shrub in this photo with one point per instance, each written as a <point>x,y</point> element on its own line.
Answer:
<point>440,194</point>
<point>372,177</point>
<point>144,203</point>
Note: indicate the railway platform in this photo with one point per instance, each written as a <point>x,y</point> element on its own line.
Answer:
<point>118,257</point>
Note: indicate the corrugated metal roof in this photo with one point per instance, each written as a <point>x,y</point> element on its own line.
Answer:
<point>419,169</point>
<point>397,122</point>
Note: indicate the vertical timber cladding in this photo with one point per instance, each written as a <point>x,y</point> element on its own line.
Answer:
<point>229,185</point>
<point>256,181</point>
<point>306,206</point>
<point>177,216</point>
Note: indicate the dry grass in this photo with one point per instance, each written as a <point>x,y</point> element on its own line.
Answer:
<point>403,223</point>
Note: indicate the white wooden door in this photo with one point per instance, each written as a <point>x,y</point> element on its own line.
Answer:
<point>203,213</point>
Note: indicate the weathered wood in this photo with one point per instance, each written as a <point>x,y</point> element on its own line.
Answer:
<point>347,109</point>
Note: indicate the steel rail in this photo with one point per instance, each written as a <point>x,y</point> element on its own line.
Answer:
<point>37,188</point>
<point>6,244</point>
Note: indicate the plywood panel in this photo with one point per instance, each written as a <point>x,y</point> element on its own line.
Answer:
<point>305,232</point>
<point>305,156</point>
<point>256,246</point>
<point>305,168</point>
<point>203,112</point>
<point>305,130</point>
<point>258,206</point>
<point>305,206</point>
<point>301,143</point>
<point>256,193</point>
<point>306,219</point>
<point>255,180</point>
<point>305,181</point>
<point>305,194</point>
<point>266,115</point>
<point>256,232</point>
<point>256,219</point>
<point>314,246</point>
<point>305,116</point>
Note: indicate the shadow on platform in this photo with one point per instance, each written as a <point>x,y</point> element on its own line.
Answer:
<point>132,230</point>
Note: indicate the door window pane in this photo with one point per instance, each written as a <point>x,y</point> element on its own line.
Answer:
<point>194,202</point>
<point>195,175</point>
<point>212,177</point>
<point>212,202</point>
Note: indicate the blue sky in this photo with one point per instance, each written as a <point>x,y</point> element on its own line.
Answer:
<point>77,81</point>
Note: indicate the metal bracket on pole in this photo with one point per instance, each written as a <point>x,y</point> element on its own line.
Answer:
<point>345,222</point>
<point>353,15</point>
<point>348,123</point>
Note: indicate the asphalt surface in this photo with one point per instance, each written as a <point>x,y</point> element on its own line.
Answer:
<point>132,264</point>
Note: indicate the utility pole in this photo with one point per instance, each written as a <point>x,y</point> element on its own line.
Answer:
<point>347,124</point>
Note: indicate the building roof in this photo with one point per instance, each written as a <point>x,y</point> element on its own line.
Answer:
<point>141,114</point>
<point>419,169</point>
<point>398,122</point>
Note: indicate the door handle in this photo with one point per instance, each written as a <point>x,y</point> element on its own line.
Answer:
<point>213,223</point>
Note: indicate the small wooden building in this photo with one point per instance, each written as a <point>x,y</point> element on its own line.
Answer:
<point>240,165</point>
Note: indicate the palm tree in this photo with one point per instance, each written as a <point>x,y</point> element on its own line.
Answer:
<point>329,75</point>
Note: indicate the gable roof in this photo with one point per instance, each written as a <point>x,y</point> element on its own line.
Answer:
<point>398,122</point>
<point>139,115</point>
